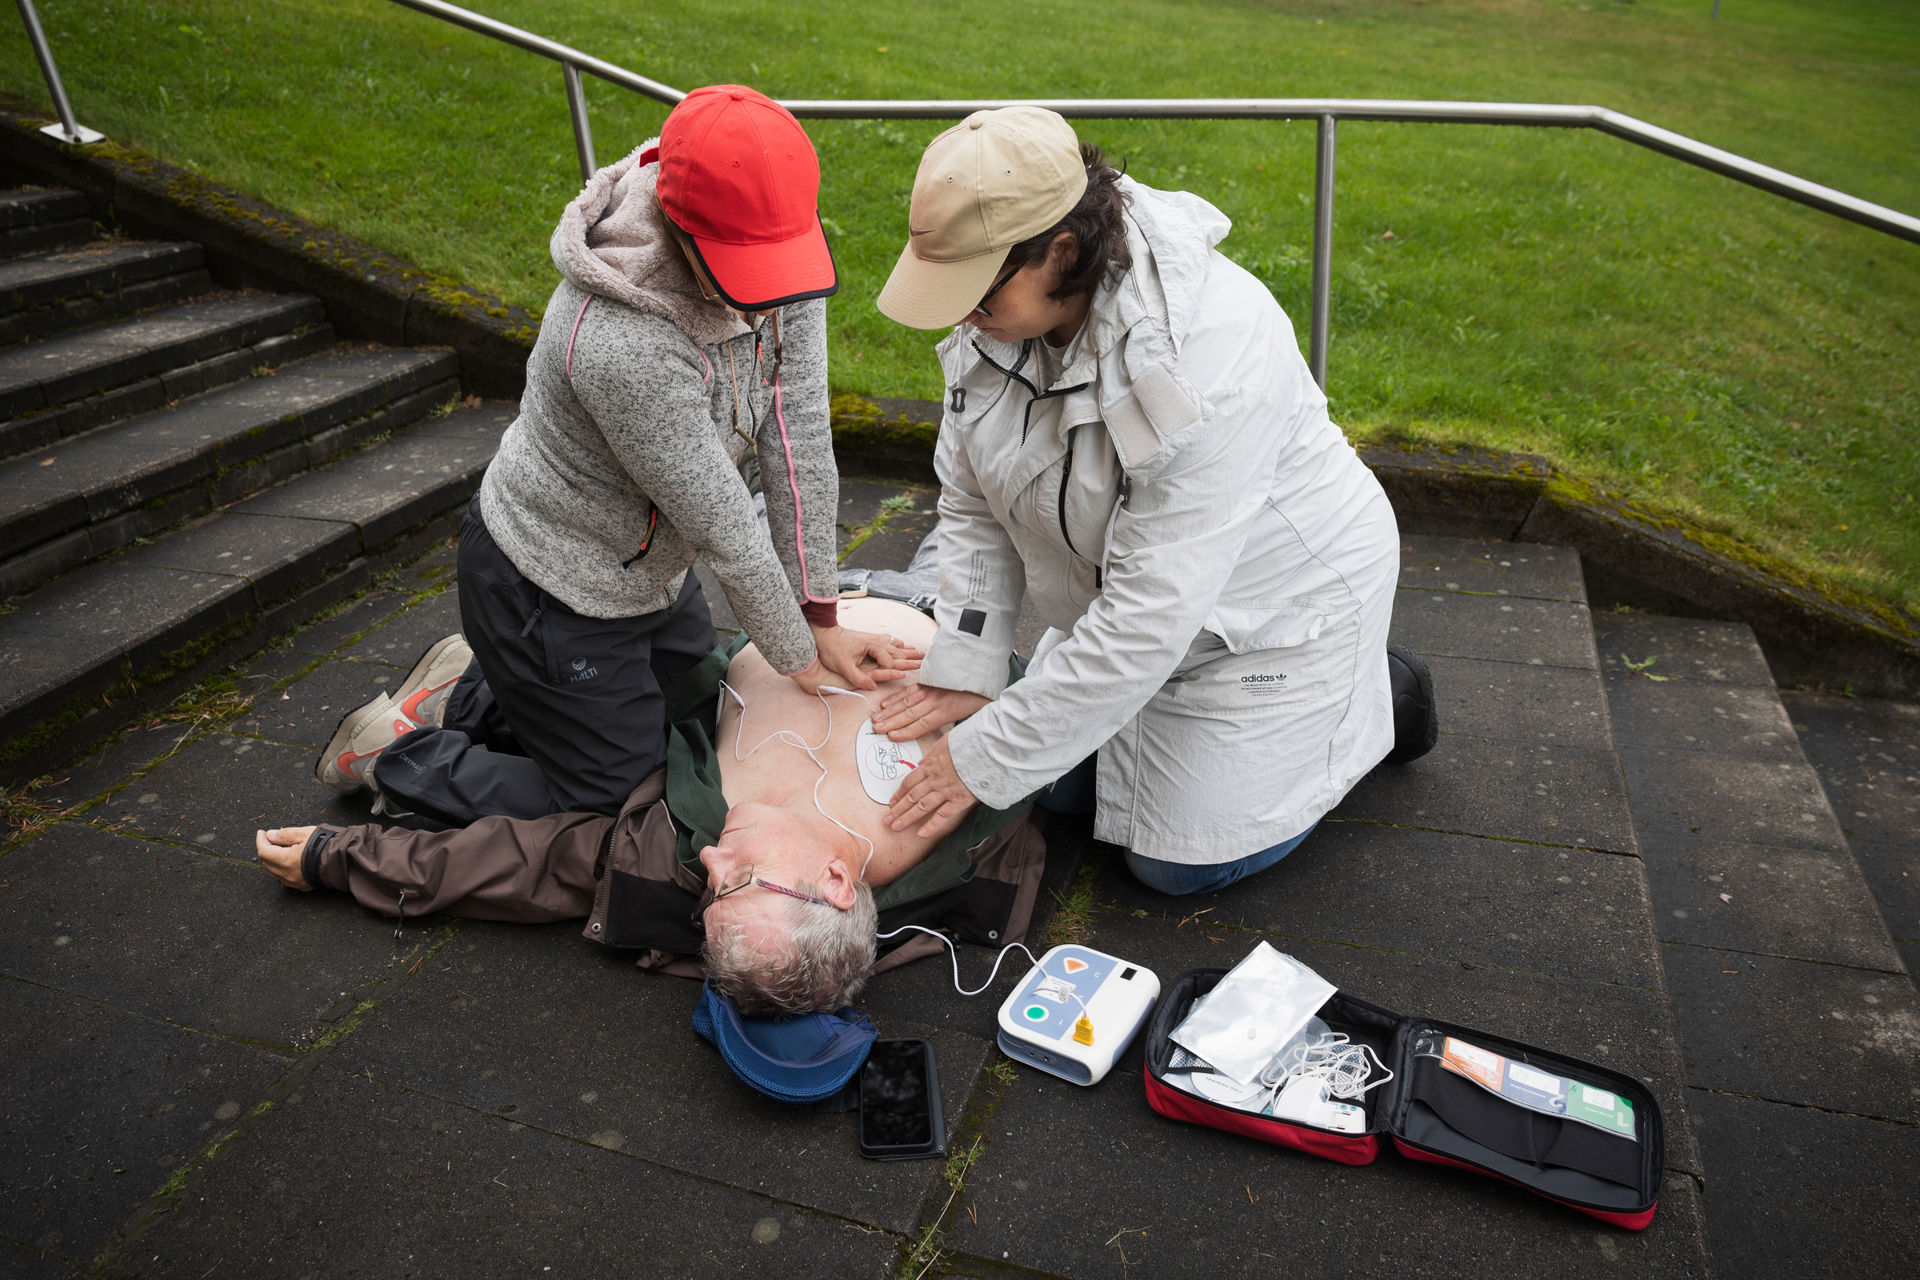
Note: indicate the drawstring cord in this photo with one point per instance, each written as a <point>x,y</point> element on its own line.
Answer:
<point>402,922</point>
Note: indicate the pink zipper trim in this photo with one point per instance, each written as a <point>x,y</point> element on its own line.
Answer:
<point>793,484</point>
<point>575,334</point>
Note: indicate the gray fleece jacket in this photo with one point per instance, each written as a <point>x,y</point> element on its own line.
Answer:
<point>642,400</point>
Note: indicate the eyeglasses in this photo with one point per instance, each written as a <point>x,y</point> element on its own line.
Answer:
<point>747,877</point>
<point>980,307</point>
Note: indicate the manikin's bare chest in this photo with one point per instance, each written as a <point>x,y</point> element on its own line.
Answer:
<point>777,715</point>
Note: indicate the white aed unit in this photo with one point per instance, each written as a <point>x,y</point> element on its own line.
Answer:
<point>1076,1012</point>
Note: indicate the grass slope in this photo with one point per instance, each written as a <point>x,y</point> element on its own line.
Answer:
<point>1680,338</point>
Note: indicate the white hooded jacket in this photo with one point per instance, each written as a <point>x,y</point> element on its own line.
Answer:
<point>1215,563</point>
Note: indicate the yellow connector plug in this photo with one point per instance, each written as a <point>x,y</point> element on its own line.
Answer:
<point>1083,1030</point>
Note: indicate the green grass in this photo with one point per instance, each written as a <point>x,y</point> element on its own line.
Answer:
<point>1673,335</point>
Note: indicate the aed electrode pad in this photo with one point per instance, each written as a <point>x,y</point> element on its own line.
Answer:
<point>883,762</point>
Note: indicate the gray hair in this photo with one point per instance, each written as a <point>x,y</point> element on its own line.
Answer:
<point>819,962</point>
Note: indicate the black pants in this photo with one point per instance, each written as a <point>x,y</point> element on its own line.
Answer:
<point>559,713</point>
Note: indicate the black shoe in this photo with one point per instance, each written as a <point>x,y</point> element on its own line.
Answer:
<point>1416,723</point>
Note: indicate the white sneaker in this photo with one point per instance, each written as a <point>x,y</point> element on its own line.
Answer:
<point>422,696</point>
<point>364,733</point>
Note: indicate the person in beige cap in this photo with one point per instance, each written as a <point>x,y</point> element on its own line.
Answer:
<point>1132,442</point>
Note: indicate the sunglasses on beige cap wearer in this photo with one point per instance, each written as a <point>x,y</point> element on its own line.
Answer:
<point>995,179</point>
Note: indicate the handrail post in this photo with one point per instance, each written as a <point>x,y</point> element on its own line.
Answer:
<point>582,128</point>
<point>69,129</point>
<point>1322,250</point>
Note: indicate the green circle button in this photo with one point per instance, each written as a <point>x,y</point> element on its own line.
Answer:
<point>1036,1013</point>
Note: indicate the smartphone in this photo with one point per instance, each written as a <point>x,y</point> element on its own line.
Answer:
<point>900,1102</point>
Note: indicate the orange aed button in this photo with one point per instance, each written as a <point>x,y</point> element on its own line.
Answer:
<point>1072,965</point>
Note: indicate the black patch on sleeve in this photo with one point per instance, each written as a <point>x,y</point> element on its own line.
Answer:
<point>973,621</point>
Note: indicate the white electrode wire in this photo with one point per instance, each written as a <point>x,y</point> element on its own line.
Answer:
<point>792,739</point>
<point>954,954</point>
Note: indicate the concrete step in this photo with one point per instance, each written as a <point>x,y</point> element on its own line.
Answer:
<point>87,362</point>
<point>86,654</point>
<point>38,430</point>
<point>47,293</point>
<point>93,494</point>
<point>34,220</point>
<point>1800,1024</point>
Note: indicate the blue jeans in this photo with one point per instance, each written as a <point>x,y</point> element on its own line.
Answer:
<point>1073,793</point>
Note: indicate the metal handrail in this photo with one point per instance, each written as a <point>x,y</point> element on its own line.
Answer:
<point>69,129</point>
<point>1327,112</point>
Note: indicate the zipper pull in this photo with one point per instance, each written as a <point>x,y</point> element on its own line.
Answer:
<point>530,621</point>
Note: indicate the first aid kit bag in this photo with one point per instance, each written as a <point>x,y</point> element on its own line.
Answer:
<point>1584,1135</point>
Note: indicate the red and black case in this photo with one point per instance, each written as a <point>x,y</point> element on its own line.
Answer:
<point>1431,1114</point>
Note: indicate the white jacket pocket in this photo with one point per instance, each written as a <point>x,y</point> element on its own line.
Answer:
<point>1244,630</point>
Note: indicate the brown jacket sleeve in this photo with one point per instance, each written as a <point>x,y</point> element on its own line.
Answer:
<point>526,871</point>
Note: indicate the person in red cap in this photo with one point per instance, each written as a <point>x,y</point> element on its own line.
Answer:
<point>685,345</point>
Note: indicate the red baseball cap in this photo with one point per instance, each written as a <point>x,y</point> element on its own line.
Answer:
<point>740,177</point>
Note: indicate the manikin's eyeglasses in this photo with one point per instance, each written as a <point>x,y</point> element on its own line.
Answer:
<point>747,877</point>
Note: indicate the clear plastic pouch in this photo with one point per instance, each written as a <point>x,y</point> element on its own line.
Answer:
<point>1251,1015</point>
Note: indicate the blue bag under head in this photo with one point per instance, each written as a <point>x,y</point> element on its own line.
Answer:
<point>806,1057</point>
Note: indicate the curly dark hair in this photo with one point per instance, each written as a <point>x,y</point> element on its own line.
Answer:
<point>1098,222</point>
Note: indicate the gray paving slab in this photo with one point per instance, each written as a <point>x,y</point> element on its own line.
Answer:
<point>1687,713</point>
<point>1815,1194</point>
<point>1777,802</point>
<point>358,617</point>
<point>40,675</point>
<point>23,1262</point>
<point>1458,624</point>
<point>308,711</point>
<point>100,1106</point>
<point>102,267</point>
<point>1090,1183</point>
<point>541,1025</point>
<point>106,769</point>
<point>1516,700</point>
<point>488,421</point>
<point>1809,904</point>
<point>135,612</point>
<point>1892,872</point>
<point>274,554</point>
<point>402,639</point>
<point>1682,647</point>
<point>1506,789</point>
<point>1571,912</point>
<point>352,1177</point>
<point>28,507</point>
<point>27,208</point>
<point>197,940</point>
<point>214,794</point>
<point>1873,800</point>
<point>1789,1031</point>
<point>384,490</point>
<point>1865,730</point>
<point>1496,568</point>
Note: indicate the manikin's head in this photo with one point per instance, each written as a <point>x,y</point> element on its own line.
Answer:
<point>769,948</point>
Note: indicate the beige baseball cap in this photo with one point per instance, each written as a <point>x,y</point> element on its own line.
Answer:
<point>995,179</point>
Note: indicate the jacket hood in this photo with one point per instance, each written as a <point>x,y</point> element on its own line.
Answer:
<point>614,241</point>
<point>1171,235</point>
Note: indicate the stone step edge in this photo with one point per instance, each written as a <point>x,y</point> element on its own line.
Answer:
<point>1813,633</point>
<point>86,375</point>
<point>87,310</point>
<point>68,721</point>
<point>50,426</point>
<point>149,514</point>
<point>369,294</point>
<point>110,268</point>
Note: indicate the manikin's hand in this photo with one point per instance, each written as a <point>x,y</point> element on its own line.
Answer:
<point>856,659</point>
<point>916,712</point>
<point>932,794</point>
<point>280,851</point>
